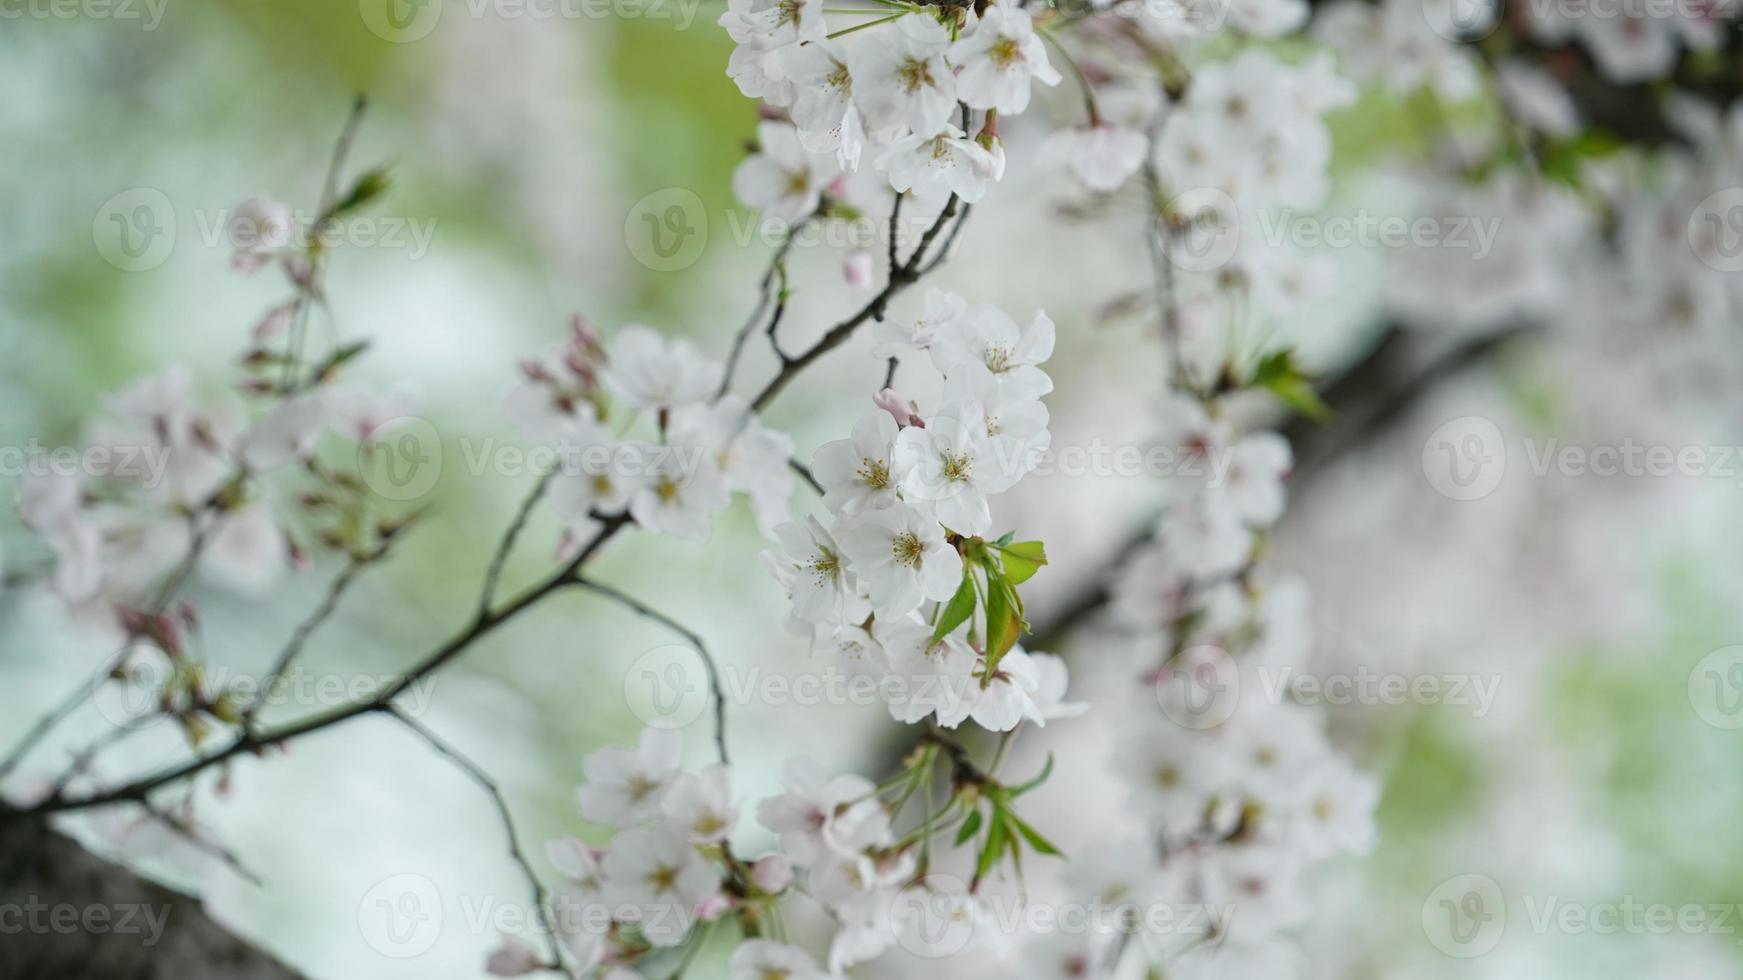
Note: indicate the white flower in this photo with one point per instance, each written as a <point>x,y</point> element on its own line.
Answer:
<point>287,434</point>
<point>823,109</point>
<point>952,467</point>
<point>822,587</point>
<point>893,339</point>
<point>1253,485</point>
<point>765,31</point>
<point>763,959</point>
<point>656,879</point>
<point>986,341</point>
<point>752,458</point>
<point>513,957</point>
<point>783,178</point>
<point>364,415</point>
<point>999,58</point>
<point>901,79</point>
<point>1102,156</point>
<point>856,472</point>
<point>1173,773</point>
<point>900,557</point>
<point>1332,807</point>
<point>248,548</point>
<point>815,815</point>
<point>926,676</point>
<point>625,786</point>
<point>680,492</point>
<point>1015,424</point>
<point>931,166</point>
<point>577,899</point>
<point>594,475</point>
<point>1051,680</point>
<point>651,374</point>
<point>701,805</point>
<point>1009,695</point>
<point>259,228</point>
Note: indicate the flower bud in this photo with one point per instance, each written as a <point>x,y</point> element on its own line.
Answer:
<point>856,268</point>
<point>772,873</point>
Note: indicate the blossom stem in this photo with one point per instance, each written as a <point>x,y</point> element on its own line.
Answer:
<point>1077,70</point>
<point>860,27</point>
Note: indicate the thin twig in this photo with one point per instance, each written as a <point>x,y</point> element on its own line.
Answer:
<point>299,638</point>
<point>805,474</point>
<point>186,830</point>
<point>714,683</point>
<point>541,896</point>
<point>494,573</point>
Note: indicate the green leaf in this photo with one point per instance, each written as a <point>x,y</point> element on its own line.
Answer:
<point>969,826</point>
<point>997,838</point>
<point>1046,770</point>
<point>1282,377</point>
<point>957,611</point>
<point>370,186</point>
<point>1004,622</point>
<point>1022,560</point>
<point>1041,844</point>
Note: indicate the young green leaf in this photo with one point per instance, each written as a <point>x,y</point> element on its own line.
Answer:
<point>969,826</point>
<point>1022,560</point>
<point>957,611</point>
<point>1046,770</point>
<point>1041,844</point>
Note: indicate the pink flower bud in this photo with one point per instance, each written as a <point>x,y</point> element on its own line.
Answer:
<point>713,907</point>
<point>274,323</point>
<point>772,873</point>
<point>838,187</point>
<point>513,958</point>
<point>856,268</point>
<point>905,412</point>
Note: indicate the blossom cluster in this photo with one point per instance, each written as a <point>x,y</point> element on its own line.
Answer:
<point>1240,794</point>
<point>897,82</point>
<point>169,476</point>
<point>669,869</point>
<point>909,495</point>
<point>706,445</point>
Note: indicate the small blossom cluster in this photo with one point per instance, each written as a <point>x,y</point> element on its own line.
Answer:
<point>184,478</point>
<point>909,497</point>
<point>1239,793</point>
<point>670,868</point>
<point>706,446</point>
<point>911,83</point>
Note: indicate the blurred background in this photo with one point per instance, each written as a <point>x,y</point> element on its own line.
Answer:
<point>529,152</point>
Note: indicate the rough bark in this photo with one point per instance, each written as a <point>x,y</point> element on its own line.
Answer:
<point>67,914</point>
